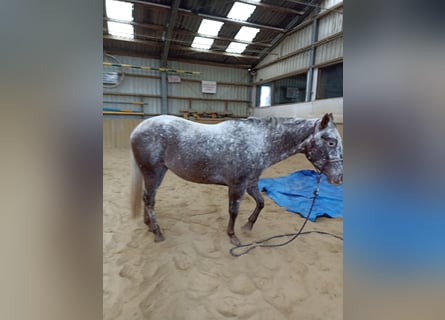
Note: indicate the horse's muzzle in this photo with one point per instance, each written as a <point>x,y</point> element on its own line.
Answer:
<point>336,180</point>
<point>334,171</point>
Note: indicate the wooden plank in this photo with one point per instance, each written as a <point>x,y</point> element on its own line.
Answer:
<point>126,113</point>
<point>116,132</point>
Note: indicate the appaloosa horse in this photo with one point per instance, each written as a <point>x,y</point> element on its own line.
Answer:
<point>232,153</point>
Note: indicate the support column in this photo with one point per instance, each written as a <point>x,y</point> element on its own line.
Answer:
<point>164,56</point>
<point>164,88</point>
<point>310,75</point>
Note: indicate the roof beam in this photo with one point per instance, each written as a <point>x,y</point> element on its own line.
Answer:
<point>177,47</point>
<point>259,44</point>
<point>242,23</point>
<point>169,33</point>
<point>217,53</point>
<point>137,24</point>
<point>206,16</point>
<point>296,21</point>
<point>272,7</point>
<point>183,32</point>
<point>136,41</point>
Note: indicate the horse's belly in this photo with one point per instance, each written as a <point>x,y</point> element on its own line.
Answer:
<point>220,166</point>
<point>196,171</point>
<point>197,175</point>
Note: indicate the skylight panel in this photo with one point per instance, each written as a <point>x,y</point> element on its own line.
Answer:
<point>210,27</point>
<point>247,33</point>
<point>120,11</point>
<point>236,47</point>
<point>202,43</point>
<point>241,11</point>
<point>120,30</point>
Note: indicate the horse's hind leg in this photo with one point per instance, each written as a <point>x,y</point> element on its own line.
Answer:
<point>147,219</point>
<point>235,195</point>
<point>152,180</point>
<point>253,191</point>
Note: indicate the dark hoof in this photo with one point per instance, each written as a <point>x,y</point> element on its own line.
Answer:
<point>234,240</point>
<point>248,226</point>
<point>158,235</point>
<point>159,238</point>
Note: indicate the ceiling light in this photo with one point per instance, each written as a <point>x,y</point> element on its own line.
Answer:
<point>236,47</point>
<point>241,11</point>
<point>119,10</point>
<point>120,30</point>
<point>247,33</point>
<point>210,27</point>
<point>202,43</point>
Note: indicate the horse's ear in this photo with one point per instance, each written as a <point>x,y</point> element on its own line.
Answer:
<point>325,120</point>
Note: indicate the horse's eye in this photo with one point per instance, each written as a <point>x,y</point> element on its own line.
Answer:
<point>332,143</point>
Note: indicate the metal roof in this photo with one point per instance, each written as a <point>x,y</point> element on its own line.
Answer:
<point>165,29</point>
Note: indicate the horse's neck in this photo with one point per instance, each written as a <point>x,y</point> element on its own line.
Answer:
<point>289,140</point>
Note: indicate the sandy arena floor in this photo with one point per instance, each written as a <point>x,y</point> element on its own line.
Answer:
<point>191,275</point>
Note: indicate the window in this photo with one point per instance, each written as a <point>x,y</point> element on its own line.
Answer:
<point>264,95</point>
<point>330,82</point>
<point>282,91</point>
<point>289,90</point>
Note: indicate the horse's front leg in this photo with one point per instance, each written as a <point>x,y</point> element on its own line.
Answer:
<point>253,191</point>
<point>235,196</point>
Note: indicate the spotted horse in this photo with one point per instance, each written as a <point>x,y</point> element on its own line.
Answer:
<point>232,153</point>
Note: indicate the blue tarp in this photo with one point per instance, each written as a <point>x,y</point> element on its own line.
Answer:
<point>295,192</point>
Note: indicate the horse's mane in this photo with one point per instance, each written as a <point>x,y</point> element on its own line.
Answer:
<point>274,122</point>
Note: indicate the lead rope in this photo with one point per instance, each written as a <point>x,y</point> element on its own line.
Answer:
<point>261,243</point>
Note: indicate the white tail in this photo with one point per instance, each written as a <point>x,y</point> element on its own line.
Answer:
<point>136,188</point>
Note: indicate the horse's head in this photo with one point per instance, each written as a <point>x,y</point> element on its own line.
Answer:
<point>325,149</point>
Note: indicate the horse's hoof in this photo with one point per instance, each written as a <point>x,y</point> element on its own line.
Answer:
<point>159,237</point>
<point>235,241</point>
<point>248,226</point>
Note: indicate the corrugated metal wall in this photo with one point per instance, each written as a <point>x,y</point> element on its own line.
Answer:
<point>214,73</point>
<point>135,88</point>
<point>329,51</point>
<point>330,24</point>
<point>232,94</point>
<point>329,3</point>
<point>299,62</point>
<point>300,39</point>
<point>292,55</point>
<point>282,62</point>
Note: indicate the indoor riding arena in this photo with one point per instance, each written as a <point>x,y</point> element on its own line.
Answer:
<point>210,63</point>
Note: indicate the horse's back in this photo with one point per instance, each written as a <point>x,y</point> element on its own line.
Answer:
<point>152,123</point>
<point>148,139</point>
<point>205,153</point>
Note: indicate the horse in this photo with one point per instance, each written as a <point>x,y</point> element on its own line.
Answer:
<point>233,153</point>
